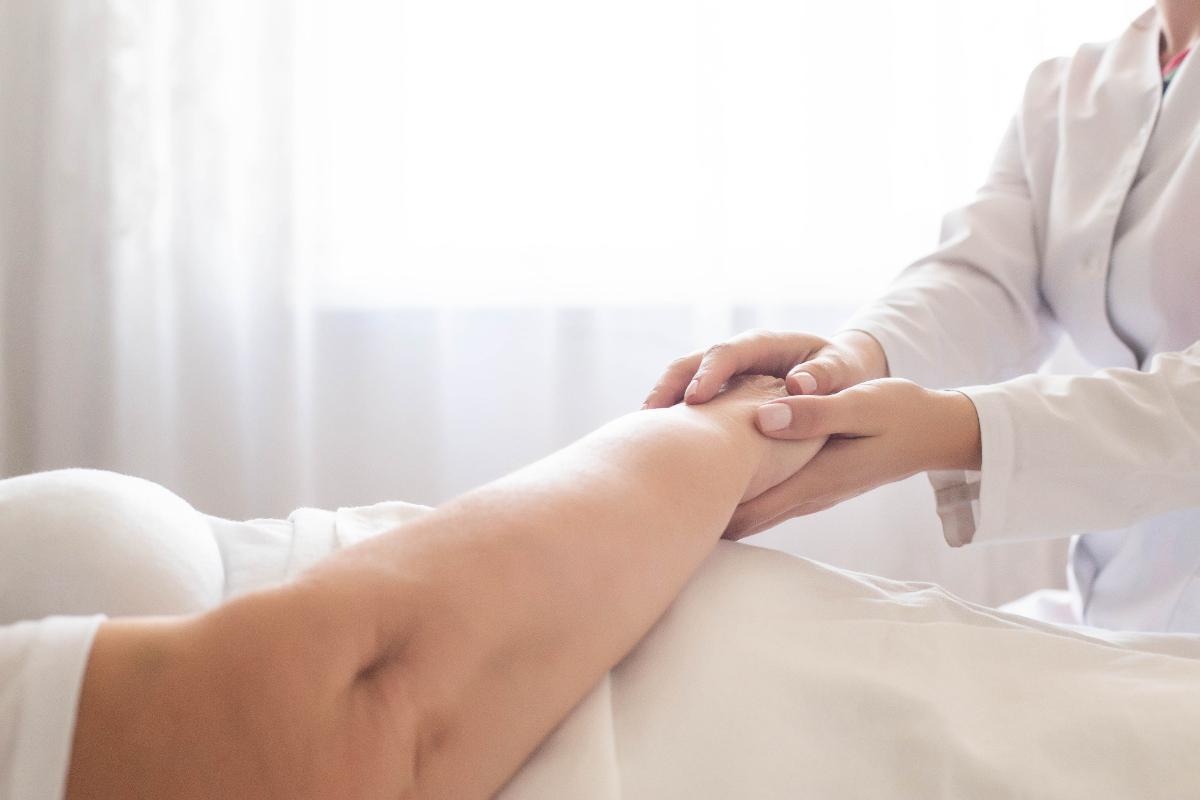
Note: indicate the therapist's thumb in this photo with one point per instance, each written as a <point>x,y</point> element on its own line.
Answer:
<point>829,372</point>
<point>801,417</point>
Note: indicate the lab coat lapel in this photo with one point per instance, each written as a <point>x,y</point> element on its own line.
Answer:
<point>1109,103</point>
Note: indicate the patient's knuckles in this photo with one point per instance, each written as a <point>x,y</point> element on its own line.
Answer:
<point>767,384</point>
<point>754,390</point>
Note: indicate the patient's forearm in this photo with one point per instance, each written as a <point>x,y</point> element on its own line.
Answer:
<point>501,609</point>
<point>431,660</point>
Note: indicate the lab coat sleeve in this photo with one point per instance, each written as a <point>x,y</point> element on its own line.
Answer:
<point>1067,454</point>
<point>972,311</point>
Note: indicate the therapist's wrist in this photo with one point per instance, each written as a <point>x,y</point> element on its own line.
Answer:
<point>955,436</point>
<point>864,352</point>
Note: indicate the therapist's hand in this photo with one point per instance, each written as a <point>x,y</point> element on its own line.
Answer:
<point>880,431</point>
<point>811,365</point>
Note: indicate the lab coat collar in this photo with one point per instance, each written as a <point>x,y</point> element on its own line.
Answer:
<point>1144,36</point>
<point>1112,97</point>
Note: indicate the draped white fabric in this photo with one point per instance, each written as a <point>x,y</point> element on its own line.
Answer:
<point>272,254</point>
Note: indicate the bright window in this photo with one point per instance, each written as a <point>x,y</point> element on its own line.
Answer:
<point>645,151</point>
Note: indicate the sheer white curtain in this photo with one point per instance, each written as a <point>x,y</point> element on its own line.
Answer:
<point>283,253</point>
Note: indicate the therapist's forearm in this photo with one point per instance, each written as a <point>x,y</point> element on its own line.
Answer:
<point>955,438</point>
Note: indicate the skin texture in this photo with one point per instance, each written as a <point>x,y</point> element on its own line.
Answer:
<point>430,661</point>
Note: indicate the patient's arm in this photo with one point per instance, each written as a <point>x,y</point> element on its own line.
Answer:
<point>432,660</point>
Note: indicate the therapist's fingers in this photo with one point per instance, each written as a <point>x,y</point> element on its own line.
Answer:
<point>698,377</point>
<point>847,359</point>
<point>829,372</point>
<point>672,383</point>
<point>840,471</point>
<point>806,417</point>
<point>760,352</point>
<point>864,409</point>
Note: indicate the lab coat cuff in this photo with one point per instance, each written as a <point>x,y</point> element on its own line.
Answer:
<point>995,476</point>
<point>957,495</point>
<point>972,504</point>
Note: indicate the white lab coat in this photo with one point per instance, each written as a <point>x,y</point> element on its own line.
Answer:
<point>1116,451</point>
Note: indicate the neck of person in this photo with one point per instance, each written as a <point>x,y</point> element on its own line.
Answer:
<point>1180,25</point>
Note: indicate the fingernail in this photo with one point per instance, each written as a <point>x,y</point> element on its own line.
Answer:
<point>691,390</point>
<point>774,417</point>
<point>806,383</point>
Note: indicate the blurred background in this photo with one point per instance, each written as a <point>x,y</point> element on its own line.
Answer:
<point>274,254</point>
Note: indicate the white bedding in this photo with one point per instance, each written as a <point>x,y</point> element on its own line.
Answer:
<point>770,676</point>
<point>774,676</point>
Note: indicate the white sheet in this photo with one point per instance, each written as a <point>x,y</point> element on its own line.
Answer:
<point>771,676</point>
<point>774,676</point>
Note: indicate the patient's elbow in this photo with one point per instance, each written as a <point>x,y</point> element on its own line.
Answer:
<point>292,702</point>
<point>394,733</point>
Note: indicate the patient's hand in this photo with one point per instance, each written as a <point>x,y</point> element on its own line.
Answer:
<point>739,401</point>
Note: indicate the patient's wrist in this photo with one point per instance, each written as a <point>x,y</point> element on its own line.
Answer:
<point>732,422</point>
<point>729,433</point>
